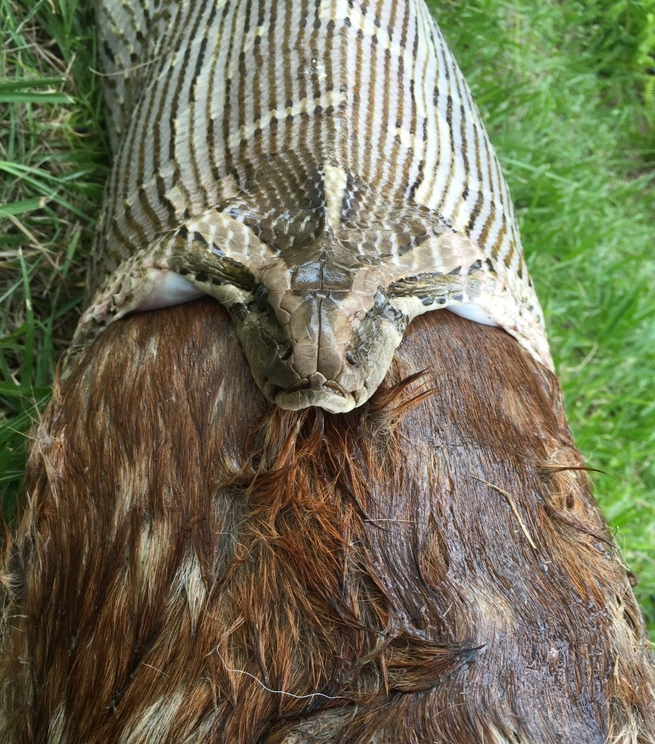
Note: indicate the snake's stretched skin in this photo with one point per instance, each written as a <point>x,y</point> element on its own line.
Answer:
<point>317,166</point>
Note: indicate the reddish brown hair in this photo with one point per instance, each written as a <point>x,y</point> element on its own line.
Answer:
<point>194,565</point>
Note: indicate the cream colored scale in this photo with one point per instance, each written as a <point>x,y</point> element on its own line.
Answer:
<point>320,169</point>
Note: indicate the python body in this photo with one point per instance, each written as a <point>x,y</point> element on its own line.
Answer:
<point>317,166</point>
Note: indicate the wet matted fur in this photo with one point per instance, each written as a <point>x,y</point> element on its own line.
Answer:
<point>193,564</point>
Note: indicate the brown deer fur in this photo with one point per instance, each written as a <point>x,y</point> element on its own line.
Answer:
<point>194,565</point>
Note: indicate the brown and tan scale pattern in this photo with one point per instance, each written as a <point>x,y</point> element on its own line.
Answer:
<point>319,167</point>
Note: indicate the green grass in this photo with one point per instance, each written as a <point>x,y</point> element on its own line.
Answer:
<point>568,93</point>
<point>566,89</point>
<point>52,166</point>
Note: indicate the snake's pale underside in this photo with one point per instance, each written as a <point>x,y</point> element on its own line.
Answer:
<point>318,167</point>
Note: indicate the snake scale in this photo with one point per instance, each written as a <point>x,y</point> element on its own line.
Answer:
<point>318,167</point>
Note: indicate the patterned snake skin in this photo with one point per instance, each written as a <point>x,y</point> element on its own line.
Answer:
<point>317,166</point>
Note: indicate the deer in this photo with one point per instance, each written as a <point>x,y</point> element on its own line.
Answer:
<point>306,474</point>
